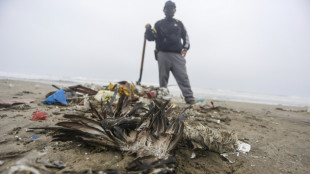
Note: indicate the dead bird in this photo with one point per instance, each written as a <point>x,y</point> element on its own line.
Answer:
<point>150,137</point>
<point>203,137</point>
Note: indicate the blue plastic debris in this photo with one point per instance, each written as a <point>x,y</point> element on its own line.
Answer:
<point>58,97</point>
<point>200,100</point>
<point>34,137</point>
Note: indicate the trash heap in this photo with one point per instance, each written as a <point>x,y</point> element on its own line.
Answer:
<point>139,120</point>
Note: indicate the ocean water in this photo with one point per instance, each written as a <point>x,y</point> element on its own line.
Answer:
<point>200,93</point>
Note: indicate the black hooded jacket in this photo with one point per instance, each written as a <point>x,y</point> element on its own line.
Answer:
<point>170,36</point>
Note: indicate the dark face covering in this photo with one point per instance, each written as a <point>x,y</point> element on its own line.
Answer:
<point>169,12</point>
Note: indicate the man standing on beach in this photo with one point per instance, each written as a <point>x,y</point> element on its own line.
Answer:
<point>170,52</point>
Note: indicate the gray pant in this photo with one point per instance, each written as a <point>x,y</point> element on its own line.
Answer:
<point>174,62</point>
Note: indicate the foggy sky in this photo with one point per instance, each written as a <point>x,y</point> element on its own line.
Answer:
<point>260,46</point>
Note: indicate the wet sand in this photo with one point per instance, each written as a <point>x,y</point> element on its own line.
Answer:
<point>279,137</point>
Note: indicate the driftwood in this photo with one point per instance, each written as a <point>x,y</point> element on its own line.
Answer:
<point>82,89</point>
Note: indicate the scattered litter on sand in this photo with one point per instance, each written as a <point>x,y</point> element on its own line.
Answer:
<point>39,115</point>
<point>243,147</point>
<point>270,133</point>
<point>126,116</point>
<point>136,121</point>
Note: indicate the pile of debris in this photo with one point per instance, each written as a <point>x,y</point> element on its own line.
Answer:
<point>138,120</point>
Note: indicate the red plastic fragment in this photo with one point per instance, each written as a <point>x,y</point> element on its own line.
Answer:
<point>149,94</point>
<point>39,115</point>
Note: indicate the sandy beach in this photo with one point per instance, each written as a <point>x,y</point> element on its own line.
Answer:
<point>279,137</point>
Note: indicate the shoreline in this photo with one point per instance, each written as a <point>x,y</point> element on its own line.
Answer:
<point>200,93</point>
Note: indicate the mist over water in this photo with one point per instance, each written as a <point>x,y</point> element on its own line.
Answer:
<point>254,46</point>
